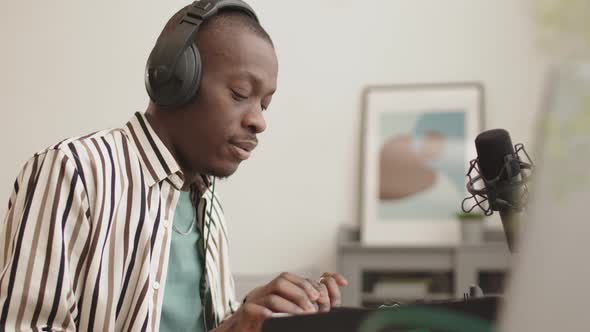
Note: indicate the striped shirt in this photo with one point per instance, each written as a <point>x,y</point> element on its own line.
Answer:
<point>84,244</point>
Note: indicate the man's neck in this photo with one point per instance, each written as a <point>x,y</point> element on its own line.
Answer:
<point>158,123</point>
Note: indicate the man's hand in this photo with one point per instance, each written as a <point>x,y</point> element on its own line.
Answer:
<point>292,294</point>
<point>287,293</point>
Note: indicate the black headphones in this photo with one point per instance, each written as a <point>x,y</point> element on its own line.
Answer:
<point>173,70</point>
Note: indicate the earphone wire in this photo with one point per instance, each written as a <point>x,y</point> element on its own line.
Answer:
<point>207,230</point>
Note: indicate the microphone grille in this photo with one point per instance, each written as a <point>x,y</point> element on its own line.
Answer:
<point>492,146</point>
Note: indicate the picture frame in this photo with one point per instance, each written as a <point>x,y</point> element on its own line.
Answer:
<point>416,143</point>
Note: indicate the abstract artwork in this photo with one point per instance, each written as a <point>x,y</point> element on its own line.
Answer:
<point>417,140</point>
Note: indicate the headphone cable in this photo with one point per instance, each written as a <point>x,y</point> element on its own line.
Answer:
<point>204,283</point>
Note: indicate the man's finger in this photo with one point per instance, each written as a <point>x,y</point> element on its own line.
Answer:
<point>324,299</point>
<point>303,283</point>
<point>279,304</point>
<point>338,277</point>
<point>285,288</point>
<point>333,290</point>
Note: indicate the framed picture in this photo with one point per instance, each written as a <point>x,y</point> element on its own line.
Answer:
<point>417,140</point>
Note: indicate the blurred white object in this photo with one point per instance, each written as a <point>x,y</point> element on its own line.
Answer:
<point>550,286</point>
<point>402,289</point>
<point>472,232</point>
<point>563,26</point>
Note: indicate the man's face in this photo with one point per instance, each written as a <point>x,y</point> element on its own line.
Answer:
<point>218,129</point>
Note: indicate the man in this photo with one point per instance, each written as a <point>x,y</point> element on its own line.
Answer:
<point>102,230</point>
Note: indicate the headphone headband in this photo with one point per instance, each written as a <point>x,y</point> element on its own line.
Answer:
<point>162,64</point>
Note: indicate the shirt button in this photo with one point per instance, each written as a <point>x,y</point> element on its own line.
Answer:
<point>165,223</point>
<point>156,285</point>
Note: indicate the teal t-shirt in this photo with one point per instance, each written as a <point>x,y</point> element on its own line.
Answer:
<point>182,309</point>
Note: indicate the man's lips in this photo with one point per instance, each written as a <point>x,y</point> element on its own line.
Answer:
<point>247,145</point>
<point>242,149</point>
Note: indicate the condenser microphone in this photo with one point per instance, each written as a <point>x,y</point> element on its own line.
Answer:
<point>501,173</point>
<point>504,176</point>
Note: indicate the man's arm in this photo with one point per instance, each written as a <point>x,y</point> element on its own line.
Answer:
<point>41,244</point>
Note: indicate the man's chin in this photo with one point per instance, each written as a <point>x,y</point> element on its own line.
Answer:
<point>225,171</point>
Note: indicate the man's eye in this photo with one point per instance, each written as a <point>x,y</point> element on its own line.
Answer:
<point>237,96</point>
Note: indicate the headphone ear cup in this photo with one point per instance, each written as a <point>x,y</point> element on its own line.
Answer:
<point>189,69</point>
<point>182,86</point>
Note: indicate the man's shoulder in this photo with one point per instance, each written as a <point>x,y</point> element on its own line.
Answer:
<point>90,149</point>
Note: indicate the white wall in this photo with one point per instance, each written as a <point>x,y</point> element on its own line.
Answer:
<point>69,67</point>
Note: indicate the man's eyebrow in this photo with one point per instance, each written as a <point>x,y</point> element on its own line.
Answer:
<point>253,78</point>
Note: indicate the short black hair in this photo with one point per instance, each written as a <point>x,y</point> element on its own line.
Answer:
<point>227,17</point>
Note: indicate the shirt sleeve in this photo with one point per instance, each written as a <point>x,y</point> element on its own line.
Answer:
<point>42,242</point>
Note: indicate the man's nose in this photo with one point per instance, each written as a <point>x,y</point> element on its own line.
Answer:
<point>254,121</point>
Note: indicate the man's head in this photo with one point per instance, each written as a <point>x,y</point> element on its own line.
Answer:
<point>217,130</point>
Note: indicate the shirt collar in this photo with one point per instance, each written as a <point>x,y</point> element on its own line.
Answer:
<point>156,160</point>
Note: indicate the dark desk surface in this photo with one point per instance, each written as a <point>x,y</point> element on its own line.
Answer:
<point>349,319</point>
